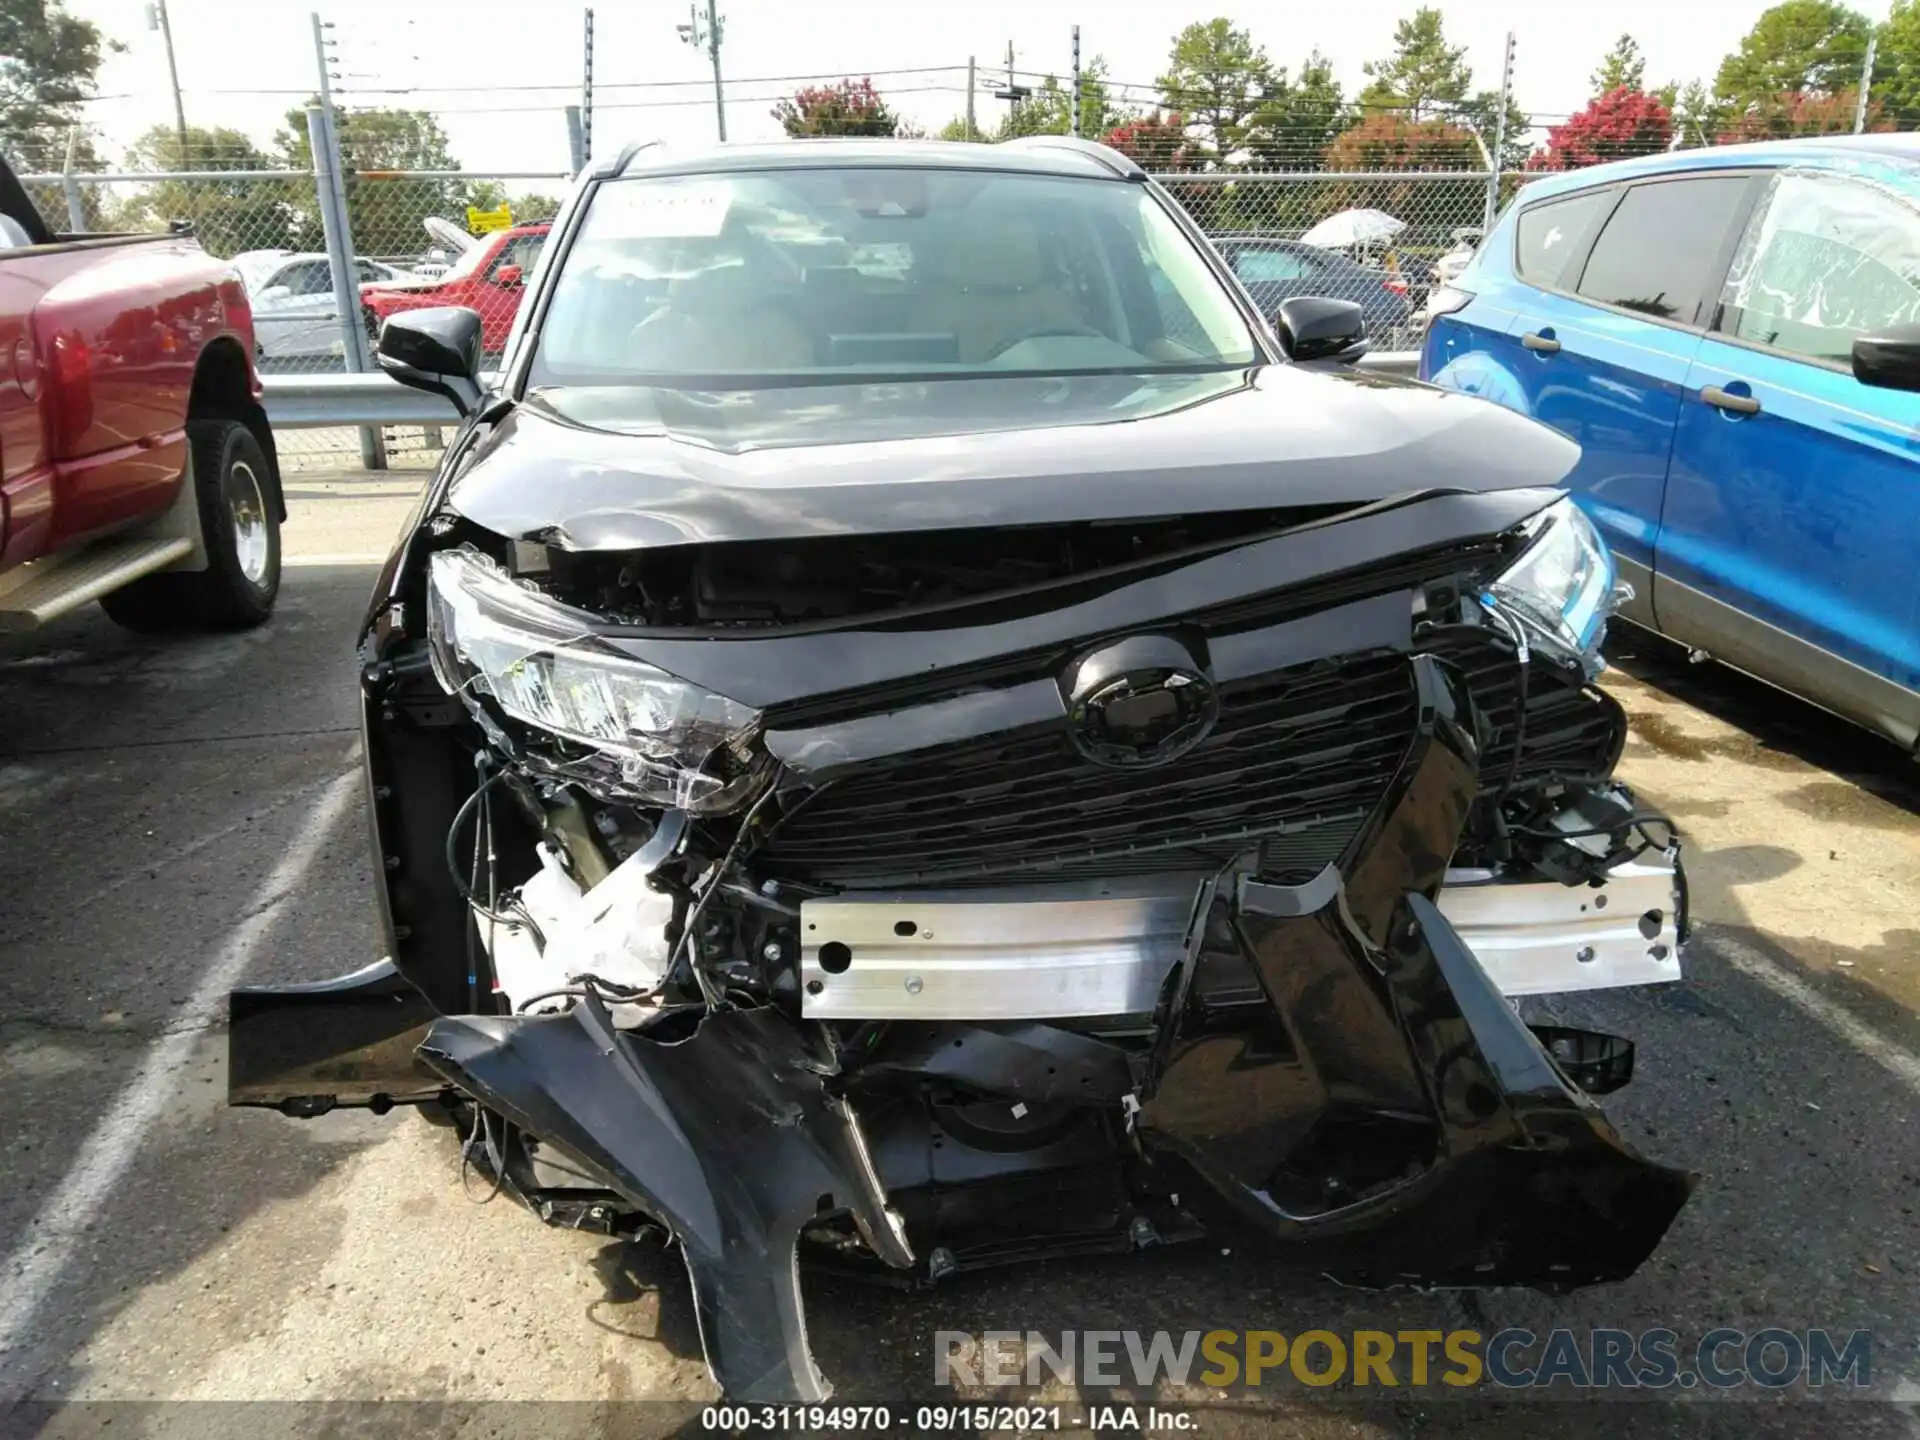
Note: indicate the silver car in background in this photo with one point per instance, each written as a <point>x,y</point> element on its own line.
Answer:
<point>294,314</point>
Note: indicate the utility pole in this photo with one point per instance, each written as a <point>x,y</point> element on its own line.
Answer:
<point>157,20</point>
<point>586,93</point>
<point>1076,80</point>
<point>1866,86</point>
<point>1013,94</point>
<point>707,34</point>
<point>973,132</point>
<point>1499,136</point>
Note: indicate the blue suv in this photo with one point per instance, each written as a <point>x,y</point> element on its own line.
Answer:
<point>1733,337</point>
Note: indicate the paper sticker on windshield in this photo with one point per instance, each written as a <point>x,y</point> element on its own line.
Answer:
<point>654,211</point>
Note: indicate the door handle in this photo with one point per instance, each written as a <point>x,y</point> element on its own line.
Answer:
<point>1544,344</point>
<point>1726,400</point>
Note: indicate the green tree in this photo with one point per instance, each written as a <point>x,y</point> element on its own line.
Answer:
<point>1218,79</point>
<point>1896,64</point>
<point>1424,76</point>
<point>1481,114</point>
<point>1049,109</point>
<point>228,216</point>
<point>48,61</point>
<point>1800,46</point>
<point>386,214</point>
<point>1697,116</point>
<point>846,107</point>
<point>1299,118</point>
<point>1623,67</point>
<point>956,129</point>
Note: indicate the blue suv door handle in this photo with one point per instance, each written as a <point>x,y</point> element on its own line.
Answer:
<point>1729,401</point>
<point>1541,342</point>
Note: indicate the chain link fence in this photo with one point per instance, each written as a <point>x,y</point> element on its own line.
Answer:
<point>1380,238</point>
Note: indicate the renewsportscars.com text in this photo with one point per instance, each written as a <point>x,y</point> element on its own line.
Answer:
<point>1602,1359</point>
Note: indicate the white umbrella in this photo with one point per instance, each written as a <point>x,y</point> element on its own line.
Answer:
<point>1353,227</point>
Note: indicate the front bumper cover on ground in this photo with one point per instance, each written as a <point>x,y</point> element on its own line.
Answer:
<point>1379,1098</point>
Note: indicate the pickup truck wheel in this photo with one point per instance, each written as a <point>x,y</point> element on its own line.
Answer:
<point>237,589</point>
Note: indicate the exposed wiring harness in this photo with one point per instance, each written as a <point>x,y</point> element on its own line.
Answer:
<point>1524,655</point>
<point>1637,823</point>
<point>684,946</point>
<point>496,1153</point>
<point>478,806</point>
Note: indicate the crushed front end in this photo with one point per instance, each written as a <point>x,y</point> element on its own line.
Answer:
<point>917,902</point>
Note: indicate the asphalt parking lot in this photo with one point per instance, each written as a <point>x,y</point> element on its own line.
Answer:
<point>173,816</point>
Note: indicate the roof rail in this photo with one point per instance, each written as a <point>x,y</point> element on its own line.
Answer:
<point>624,159</point>
<point>1120,164</point>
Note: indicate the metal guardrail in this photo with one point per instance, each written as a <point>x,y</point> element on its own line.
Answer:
<point>312,402</point>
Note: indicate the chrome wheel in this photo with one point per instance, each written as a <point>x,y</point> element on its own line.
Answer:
<point>247,509</point>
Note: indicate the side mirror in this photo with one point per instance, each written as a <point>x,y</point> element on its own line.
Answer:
<point>1889,359</point>
<point>1313,327</point>
<point>274,292</point>
<point>507,276</point>
<point>435,350</point>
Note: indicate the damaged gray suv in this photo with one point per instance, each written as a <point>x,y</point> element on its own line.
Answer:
<point>910,733</point>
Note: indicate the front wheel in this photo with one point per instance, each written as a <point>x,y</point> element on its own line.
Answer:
<point>231,478</point>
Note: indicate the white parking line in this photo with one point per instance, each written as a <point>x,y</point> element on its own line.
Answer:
<point>1902,1064</point>
<point>367,557</point>
<point>35,1268</point>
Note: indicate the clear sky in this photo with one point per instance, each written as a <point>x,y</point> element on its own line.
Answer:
<point>652,84</point>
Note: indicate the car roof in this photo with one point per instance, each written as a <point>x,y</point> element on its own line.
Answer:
<point>1035,154</point>
<point>1892,157</point>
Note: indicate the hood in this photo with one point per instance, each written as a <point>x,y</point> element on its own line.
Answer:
<point>624,468</point>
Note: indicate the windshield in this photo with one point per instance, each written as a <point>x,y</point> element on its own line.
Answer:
<point>835,272</point>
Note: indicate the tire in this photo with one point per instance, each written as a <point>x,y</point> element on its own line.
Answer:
<point>371,322</point>
<point>232,482</point>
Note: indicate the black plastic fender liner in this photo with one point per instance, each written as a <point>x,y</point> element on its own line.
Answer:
<point>1388,1098</point>
<point>728,1137</point>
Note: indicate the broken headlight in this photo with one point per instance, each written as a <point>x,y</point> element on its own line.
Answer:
<point>1564,586</point>
<point>617,725</point>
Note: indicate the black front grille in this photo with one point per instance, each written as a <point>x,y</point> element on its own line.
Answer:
<point>1297,762</point>
<point>1570,734</point>
<point>1307,752</point>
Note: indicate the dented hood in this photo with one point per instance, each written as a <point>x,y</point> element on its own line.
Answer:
<point>632,467</point>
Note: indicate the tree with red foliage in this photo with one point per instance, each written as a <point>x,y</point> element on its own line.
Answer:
<point>1154,142</point>
<point>847,107</point>
<point>1803,112</point>
<point>1393,142</point>
<point>1620,123</point>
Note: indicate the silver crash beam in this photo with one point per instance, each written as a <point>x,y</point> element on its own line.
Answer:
<point>1104,948</point>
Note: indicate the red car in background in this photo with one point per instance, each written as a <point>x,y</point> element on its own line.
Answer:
<point>489,278</point>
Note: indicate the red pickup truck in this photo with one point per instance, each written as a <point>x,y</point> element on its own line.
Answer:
<point>136,465</point>
<point>489,278</point>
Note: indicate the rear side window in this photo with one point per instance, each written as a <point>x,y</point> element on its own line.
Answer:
<point>1824,260</point>
<point>1259,266</point>
<point>1552,233</point>
<point>1660,253</point>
